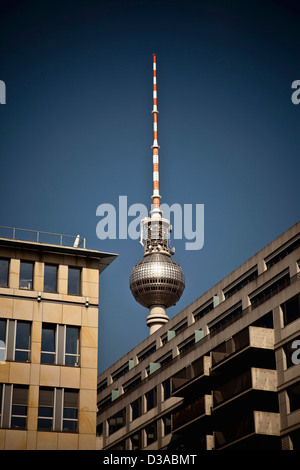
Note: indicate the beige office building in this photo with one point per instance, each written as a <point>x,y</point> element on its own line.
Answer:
<point>49,296</point>
<point>224,373</point>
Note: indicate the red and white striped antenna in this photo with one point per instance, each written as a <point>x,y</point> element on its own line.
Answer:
<point>155,196</point>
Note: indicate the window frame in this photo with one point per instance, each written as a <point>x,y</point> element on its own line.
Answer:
<point>7,274</point>
<point>78,269</point>
<point>46,265</point>
<point>23,280</point>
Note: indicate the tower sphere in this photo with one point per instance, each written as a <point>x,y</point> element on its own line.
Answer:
<point>157,280</point>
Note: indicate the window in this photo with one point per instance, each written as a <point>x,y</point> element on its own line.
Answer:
<point>71,346</point>
<point>15,340</point>
<point>166,389</point>
<point>116,422</point>
<point>48,355</point>
<point>22,346</point>
<point>26,275</point>
<point>136,441</point>
<point>272,288</point>
<point>50,278</point>
<point>166,419</point>
<point>136,408</point>
<point>19,407</point>
<point>60,344</point>
<point>238,285</point>
<point>74,281</point>
<point>291,310</point>
<point>285,250</point>
<point>151,434</point>
<point>70,411</point>
<point>58,409</point>
<point>294,396</point>
<point>147,352</point>
<point>151,399</point>
<point>203,311</point>
<point>13,406</point>
<point>46,409</point>
<point>4,270</point>
<point>3,324</point>
<point>226,319</point>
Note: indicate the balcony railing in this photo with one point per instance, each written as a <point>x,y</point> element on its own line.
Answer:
<point>42,237</point>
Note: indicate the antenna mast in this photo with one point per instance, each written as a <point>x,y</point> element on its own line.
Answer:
<point>156,212</point>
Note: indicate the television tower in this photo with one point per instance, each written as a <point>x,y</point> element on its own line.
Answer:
<point>156,281</point>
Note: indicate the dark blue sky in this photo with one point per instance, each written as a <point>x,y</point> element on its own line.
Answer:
<point>76,131</point>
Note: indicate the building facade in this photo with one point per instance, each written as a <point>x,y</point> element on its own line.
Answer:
<point>224,373</point>
<point>49,296</point>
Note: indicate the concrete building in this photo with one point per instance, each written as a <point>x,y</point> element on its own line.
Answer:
<point>49,296</point>
<point>224,373</point>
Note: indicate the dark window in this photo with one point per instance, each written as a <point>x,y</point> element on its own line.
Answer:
<point>136,408</point>
<point>186,345</point>
<point>50,278</point>
<point>151,399</point>
<point>291,310</point>
<point>147,353</point>
<point>204,311</point>
<point>167,423</point>
<point>166,389</point>
<point>151,435</point>
<point>46,409</point>
<point>22,347</point>
<point>136,441</point>
<point>270,291</point>
<point>116,421</point>
<point>26,275</point>
<point>233,315</point>
<point>74,281</point>
<point>60,344</point>
<point>70,411</point>
<point>19,407</point>
<point>241,284</point>
<point>294,396</point>
<point>48,355</point>
<point>3,324</point>
<point>72,346</point>
<point>4,270</point>
<point>283,254</point>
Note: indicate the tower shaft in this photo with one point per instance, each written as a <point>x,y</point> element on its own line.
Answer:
<point>155,147</point>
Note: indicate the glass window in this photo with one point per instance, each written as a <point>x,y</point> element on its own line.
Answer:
<point>150,433</point>
<point>294,397</point>
<point>136,408</point>
<point>74,281</point>
<point>167,424</point>
<point>72,346</point>
<point>48,355</point>
<point>136,441</point>
<point>50,278</point>
<point>19,407</point>
<point>4,269</point>
<point>166,389</point>
<point>150,399</point>
<point>70,411</point>
<point>46,408</point>
<point>116,421</point>
<point>26,275</point>
<point>22,347</point>
<point>3,339</point>
<point>291,310</point>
